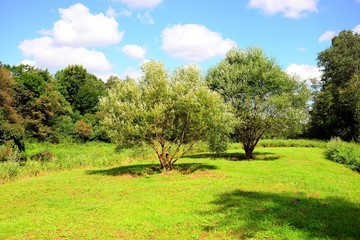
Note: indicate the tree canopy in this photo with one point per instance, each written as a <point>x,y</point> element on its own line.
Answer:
<point>11,122</point>
<point>169,112</point>
<point>262,94</point>
<point>336,107</point>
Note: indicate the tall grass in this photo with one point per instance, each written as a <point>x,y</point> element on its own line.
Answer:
<point>292,143</point>
<point>67,156</point>
<point>344,153</point>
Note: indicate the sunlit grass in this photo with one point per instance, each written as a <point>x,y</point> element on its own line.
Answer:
<point>287,193</point>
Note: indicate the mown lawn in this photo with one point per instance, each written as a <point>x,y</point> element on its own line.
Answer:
<point>287,193</point>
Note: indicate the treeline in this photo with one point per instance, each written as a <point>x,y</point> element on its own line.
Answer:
<point>35,105</point>
<point>38,106</point>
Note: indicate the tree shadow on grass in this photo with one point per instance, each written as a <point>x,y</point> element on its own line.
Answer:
<point>248,214</point>
<point>150,169</point>
<point>237,156</point>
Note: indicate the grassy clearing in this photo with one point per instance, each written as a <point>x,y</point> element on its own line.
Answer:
<point>287,193</point>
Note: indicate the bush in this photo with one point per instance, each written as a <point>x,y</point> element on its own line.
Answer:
<point>10,152</point>
<point>45,156</point>
<point>344,153</point>
<point>84,130</point>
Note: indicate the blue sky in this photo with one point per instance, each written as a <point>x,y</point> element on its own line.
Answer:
<point>113,37</point>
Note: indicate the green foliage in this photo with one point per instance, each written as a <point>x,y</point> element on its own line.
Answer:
<point>84,130</point>
<point>168,112</point>
<point>44,156</point>
<point>344,153</point>
<point>336,109</point>
<point>9,152</point>
<point>80,88</point>
<point>11,122</point>
<point>264,97</point>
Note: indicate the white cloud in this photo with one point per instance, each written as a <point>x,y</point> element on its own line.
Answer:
<point>78,27</point>
<point>289,8</point>
<point>132,73</point>
<point>48,54</point>
<point>357,28</point>
<point>145,18</point>
<point>28,62</point>
<point>327,36</point>
<point>134,51</point>
<point>141,3</point>
<point>45,32</point>
<point>304,72</point>
<point>192,42</point>
<point>302,49</point>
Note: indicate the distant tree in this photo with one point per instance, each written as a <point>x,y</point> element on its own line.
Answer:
<point>168,112</point>
<point>80,88</point>
<point>38,100</point>
<point>112,81</point>
<point>88,95</point>
<point>11,123</point>
<point>264,97</point>
<point>336,107</point>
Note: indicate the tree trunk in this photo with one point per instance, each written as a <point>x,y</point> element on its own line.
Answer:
<point>249,148</point>
<point>166,162</point>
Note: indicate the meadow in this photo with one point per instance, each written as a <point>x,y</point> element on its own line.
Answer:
<point>98,193</point>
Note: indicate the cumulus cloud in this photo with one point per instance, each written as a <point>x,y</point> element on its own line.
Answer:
<point>192,42</point>
<point>132,73</point>
<point>134,51</point>
<point>289,8</point>
<point>357,28</point>
<point>145,18</point>
<point>304,72</point>
<point>48,54</point>
<point>78,27</point>
<point>69,41</point>
<point>141,3</point>
<point>327,36</point>
<point>28,62</point>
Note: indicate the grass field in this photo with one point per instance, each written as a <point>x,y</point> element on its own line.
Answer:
<point>287,193</point>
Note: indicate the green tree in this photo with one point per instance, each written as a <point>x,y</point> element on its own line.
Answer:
<point>11,123</point>
<point>264,97</point>
<point>168,112</point>
<point>335,110</point>
<point>80,88</point>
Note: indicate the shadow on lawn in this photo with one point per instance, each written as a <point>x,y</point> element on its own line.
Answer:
<point>150,169</point>
<point>237,156</point>
<point>249,213</point>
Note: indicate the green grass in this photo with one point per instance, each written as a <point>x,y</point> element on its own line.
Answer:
<point>287,193</point>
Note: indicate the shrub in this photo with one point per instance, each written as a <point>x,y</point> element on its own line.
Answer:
<point>10,152</point>
<point>84,130</point>
<point>344,153</point>
<point>45,156</point>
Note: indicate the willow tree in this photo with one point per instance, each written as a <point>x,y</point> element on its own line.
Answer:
<point>262,94</point>
<point>169,112</point>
